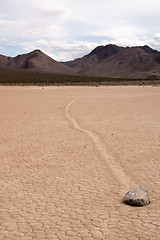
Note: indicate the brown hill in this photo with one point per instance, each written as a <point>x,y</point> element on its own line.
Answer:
<point>119,62</point>
<point>104,61</point>
<point>4,60</point>
<point>35,61</point>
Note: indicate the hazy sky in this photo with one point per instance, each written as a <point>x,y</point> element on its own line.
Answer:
<point>67,29</point>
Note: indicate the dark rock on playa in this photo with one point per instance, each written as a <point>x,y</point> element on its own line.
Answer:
<point>137,197</point>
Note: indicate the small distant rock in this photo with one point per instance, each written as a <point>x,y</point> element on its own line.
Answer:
<point>137,197</point>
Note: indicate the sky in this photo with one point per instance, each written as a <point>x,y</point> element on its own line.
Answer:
<point>68,29</point>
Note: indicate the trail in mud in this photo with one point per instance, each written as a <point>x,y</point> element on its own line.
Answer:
<point>112,165</point>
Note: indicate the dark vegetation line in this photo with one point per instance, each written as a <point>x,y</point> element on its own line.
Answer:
<point>21,77</point>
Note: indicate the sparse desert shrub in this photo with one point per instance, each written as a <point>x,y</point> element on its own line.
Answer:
<point>22,77</point>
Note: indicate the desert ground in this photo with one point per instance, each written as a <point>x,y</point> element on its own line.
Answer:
<point>69,155</point>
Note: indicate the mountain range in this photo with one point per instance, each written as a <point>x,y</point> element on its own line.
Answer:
<point>104,61</point>
<point>35,61</point>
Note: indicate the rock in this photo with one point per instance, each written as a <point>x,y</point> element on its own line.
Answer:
<point>137,197</point>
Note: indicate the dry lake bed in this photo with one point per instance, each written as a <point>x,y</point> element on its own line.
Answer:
<point>68,155</point>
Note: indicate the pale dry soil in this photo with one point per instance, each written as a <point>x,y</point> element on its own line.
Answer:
<point>68,155</point>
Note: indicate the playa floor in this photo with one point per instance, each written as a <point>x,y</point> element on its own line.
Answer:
<point>68,156</point>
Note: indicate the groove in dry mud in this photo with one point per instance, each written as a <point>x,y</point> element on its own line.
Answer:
<point>112,165</point>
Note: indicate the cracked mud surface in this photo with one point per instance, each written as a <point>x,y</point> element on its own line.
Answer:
<point>68,156</point>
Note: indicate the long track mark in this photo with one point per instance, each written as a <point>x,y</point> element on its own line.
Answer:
<point>112,165</point>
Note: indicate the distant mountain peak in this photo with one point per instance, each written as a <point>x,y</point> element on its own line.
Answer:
<point>36,61</point>
<point>104,61</point>
<point>37,51</point>
<point>120,62</point>
<point>103,52</point>
<point>149,50</point>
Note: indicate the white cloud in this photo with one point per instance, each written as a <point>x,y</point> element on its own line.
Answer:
<point>155,41</point>
<point>71,28</point>
<point>51,13</point>
<point>65,50</point>
<point>60,51</point>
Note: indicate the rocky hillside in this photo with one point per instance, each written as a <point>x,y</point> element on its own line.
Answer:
<point>35,61</point>
<point>104,61</point>
<point>119,62</point>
